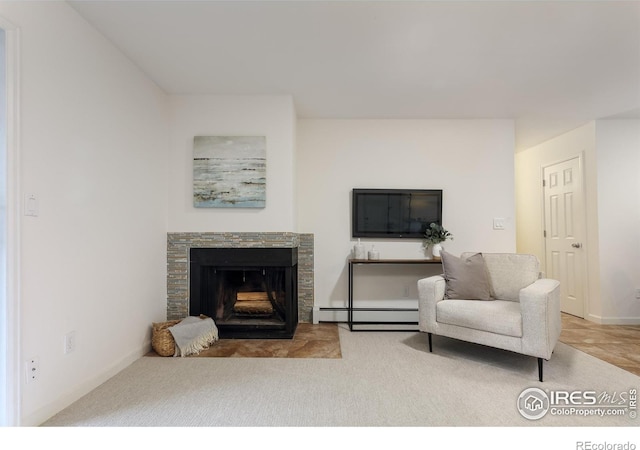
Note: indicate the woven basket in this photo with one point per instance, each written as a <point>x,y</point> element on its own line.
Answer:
<point>162,339</point>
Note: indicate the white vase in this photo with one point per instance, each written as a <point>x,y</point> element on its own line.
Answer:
<point>359,251</point>
<point>435,250</point>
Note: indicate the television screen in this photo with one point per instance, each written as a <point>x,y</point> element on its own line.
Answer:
<point>395,213</point>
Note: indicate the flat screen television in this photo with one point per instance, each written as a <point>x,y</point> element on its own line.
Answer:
<point>395,213</point>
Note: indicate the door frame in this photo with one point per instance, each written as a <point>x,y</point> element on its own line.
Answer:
<point>585,241</point>
<point>11,406</point>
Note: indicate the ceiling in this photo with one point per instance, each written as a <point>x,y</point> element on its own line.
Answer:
<point>550,66</point>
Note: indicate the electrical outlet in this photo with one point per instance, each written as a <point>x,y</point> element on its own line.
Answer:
<point>69,342</point>
<point>32,370</point>
<point>405,292</point>
<point>638,294</point>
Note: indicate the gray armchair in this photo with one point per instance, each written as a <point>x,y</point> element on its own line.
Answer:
<point>520,312</point>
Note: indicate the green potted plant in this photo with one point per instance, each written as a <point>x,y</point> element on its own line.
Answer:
<point>434,236</point>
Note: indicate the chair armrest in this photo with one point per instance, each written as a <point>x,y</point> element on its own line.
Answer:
<point>430,292</point>
<point>541,319</point>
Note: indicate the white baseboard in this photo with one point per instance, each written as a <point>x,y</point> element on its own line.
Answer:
<point>613,320</point>
<point>340,315</point>
<point>46,412</point>
<point>327,315</point>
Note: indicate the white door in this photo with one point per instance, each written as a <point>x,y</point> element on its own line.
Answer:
<point>565,232</point>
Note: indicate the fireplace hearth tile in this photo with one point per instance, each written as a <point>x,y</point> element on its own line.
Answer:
<point>309,341</point>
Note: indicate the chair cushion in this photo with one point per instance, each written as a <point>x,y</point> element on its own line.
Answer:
<point>509,272</point>
<point>466,278</point>
<point>495,316</point>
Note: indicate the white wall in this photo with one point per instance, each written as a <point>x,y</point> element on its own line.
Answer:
<point>93,150</point>
<point>618,157</point>
<point>211,115</point>
<point>471,160</point>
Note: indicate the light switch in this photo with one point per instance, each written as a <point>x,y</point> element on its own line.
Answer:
<point>499,223</point>
<point>31,205</point>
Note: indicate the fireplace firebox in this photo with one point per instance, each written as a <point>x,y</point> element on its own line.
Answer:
<point>250,293</point>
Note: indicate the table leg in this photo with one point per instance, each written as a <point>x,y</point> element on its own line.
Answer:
<point>350,305</point>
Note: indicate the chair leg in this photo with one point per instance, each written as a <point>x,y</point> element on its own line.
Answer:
<point>430,347</point>
<point>540,369</point>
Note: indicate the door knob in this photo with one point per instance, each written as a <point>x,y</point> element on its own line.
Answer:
<point>576,245</point>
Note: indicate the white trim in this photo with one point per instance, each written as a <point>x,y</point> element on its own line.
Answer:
<point>340,315</point>
<point>13,379</point>
<point>613,320</point>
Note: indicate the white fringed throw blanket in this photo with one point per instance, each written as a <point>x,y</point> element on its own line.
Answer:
<point>193,334</point>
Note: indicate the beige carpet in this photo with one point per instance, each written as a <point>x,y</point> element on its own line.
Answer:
<point>382,379</point>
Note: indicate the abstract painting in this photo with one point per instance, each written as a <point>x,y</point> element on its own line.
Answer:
<point>229,171</point>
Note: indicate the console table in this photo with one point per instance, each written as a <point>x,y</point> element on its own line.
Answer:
<point>350,308</point>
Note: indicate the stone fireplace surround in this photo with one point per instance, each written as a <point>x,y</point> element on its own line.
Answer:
<point>179,244</point>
